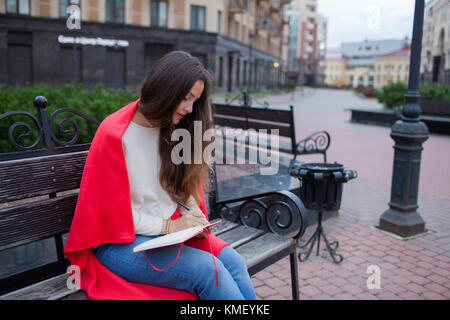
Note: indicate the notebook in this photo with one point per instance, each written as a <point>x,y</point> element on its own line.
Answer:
<point>172,238</point>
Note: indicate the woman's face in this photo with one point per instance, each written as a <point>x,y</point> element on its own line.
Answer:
<point>186,104</point>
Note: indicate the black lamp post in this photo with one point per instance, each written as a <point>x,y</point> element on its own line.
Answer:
<point>409,134</point>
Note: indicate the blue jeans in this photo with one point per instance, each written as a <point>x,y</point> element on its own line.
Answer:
<point>194,270</point>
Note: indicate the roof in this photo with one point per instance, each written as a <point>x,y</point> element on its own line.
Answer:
<point>334,53</point>
<point>369,49</point>
<point>405,52</point>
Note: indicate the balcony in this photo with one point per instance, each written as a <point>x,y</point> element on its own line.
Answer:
<point>262,21</point>
<point>275,5</point>
<point>274,31</point>
<point>310,26</point>
<point>237,6</point>
<point>309,37</point>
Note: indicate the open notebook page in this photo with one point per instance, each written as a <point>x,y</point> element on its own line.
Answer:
<point>172,238</point>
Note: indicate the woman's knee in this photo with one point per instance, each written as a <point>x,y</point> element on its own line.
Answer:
<point>232,260</point>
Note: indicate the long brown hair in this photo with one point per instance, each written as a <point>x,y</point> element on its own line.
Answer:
<point>167,83</point>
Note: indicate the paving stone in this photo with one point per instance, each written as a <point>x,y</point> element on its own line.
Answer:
<point>274,282</point>
<point>436,288</point>
<point>309,290</point>
<point>344,296</point>
<point>386,295</point>
<point>420,280</point>
<point>433,296</point>
<point>408,295</point>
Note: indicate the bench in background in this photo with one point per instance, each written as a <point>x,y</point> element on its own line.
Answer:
<point>251,182</point>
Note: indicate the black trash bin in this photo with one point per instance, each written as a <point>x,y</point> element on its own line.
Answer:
<point>321,186</point>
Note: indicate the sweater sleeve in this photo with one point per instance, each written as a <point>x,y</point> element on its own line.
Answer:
<point>145,224</point>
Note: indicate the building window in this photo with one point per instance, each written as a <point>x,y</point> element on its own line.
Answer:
<point>238,72</point>
<point>360,81</point>
<point>19,58</point>
<point>219,22</point>
<point>202,58</point>
<point>115,11</point>
<point>115,71</point>
<point>64,4</point>
<point>18,6</point>
<point>245,73</point>
<point>159,14</point>
<point>198,18</point>
<point>220,71</point>
<point>71,64</point>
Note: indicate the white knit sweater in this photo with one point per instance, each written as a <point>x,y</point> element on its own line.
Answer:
<point>150,203</point>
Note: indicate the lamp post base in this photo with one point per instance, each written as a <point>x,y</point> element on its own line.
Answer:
<point>405,224</point>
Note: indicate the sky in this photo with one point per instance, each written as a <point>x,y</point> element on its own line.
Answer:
<point>356,20</point>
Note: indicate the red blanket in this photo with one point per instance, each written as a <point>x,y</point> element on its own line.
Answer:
<point>103,215</point>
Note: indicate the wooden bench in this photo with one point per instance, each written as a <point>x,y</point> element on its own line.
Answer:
<point>262,228</point>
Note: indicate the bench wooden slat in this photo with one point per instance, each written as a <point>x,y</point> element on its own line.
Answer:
<point>282,116</point>
<point>27,178</point>
<point>50,289</point>
<point>265,250</point>
<point>222,227</point>
<point>35,221</point>
<point>283,145</point>
<point>240,235</point>
<point>255,184</point>
<point>284,131</point>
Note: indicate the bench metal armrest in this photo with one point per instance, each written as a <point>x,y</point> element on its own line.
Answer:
<point>279,212</point>
<point>318,142</point>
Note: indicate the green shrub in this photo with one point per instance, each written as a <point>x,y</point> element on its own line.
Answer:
<point>435,91</point>
<point>97,103</point>
<point>392,94</point>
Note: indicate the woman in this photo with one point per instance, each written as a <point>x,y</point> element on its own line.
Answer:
<point>132,151</point>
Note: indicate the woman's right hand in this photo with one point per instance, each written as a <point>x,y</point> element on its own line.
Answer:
<point>190,219</point>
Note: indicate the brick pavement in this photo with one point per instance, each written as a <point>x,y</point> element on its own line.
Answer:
<point>410,269</point>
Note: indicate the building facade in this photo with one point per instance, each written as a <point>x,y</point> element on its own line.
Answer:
<point>367,63</point>
<point>435,59</point>
<point>238,41</point>
<point>335,68</point>
<point>392,67</point>
<point>305,53</point>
